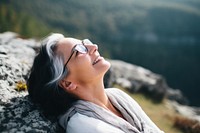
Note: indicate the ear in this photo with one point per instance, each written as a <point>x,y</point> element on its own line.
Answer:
<point>67,86</point>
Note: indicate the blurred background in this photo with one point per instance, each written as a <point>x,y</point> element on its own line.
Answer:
<point>160,35</point>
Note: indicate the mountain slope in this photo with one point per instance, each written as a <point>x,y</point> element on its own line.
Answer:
<point>163,36</point>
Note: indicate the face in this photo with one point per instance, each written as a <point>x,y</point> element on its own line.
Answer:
<point>82,66</point>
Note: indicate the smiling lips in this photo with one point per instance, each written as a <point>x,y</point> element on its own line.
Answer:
<point>98,58</point>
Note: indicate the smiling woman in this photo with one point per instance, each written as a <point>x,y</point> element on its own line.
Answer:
<point>67,81</point>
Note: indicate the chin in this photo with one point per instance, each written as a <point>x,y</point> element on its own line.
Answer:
<point>107,65</point>
<point>103,66</point>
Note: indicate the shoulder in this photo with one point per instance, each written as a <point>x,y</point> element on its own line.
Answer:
<point>84,124</point>
<point>123,97</point>
<point>116,92</point>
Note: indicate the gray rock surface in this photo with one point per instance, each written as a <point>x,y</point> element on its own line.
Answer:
<point>138,79</point>
<point>187,111</point>
<point>17,113</point>
<point>15,62</point>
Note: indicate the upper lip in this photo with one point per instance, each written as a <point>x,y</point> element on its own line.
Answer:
<point>96,59</point>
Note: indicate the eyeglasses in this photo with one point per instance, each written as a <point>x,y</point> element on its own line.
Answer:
<point>79,48</point>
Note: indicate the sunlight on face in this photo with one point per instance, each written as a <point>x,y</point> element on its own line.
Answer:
<point>82,66</point>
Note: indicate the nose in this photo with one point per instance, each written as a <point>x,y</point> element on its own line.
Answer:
<point>92,48</point>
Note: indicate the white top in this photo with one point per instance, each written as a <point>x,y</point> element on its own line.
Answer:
<point>87,124</point>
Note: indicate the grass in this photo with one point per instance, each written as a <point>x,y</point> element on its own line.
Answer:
<point>161,114</point>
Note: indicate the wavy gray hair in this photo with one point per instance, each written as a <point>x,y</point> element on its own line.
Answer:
<point>55,59</point>
<point>47,71</point>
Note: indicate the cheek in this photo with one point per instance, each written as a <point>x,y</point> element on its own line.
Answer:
<point>83,61</point>
<point>83,72</point>
<point>83,65</point>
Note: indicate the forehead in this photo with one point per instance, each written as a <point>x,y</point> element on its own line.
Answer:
<point>65,46</point>
<point>68,41</point>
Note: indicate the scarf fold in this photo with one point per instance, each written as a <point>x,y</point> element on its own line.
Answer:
<point>136,120</point>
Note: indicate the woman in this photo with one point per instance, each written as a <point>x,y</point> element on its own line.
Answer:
<point>67,80</point>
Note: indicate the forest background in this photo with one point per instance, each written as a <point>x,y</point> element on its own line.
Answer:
<point>163,36</point>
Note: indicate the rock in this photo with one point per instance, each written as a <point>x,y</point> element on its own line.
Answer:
<point>15,62</point>
<point>7,36</point>
<point>176,95</point>
<point>187,111</point>
<point>17,113</point>
<point>136,79</point>
<point>20,115</point>
<point>124,83</point>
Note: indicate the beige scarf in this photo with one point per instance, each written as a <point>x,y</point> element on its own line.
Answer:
<point>136,120</point>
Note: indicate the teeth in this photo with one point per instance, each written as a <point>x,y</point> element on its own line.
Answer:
<point>95,61</point>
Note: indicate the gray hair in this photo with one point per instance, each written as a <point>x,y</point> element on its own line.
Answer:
<point>56,60</point>
<point>46,72</point>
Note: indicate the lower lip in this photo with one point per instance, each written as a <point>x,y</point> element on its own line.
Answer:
<point>99,59</point>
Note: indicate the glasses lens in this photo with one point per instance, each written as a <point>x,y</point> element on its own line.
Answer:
<point>81,48</point>
<point>87,41</point>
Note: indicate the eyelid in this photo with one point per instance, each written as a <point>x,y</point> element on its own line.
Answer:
<point>76,53</point>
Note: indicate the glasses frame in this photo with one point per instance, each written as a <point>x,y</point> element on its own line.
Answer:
<point>75,48</point>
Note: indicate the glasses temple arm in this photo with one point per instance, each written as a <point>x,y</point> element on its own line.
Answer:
<point>69,59</point>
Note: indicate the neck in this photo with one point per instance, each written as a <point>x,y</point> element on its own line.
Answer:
<point>93,92</point>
